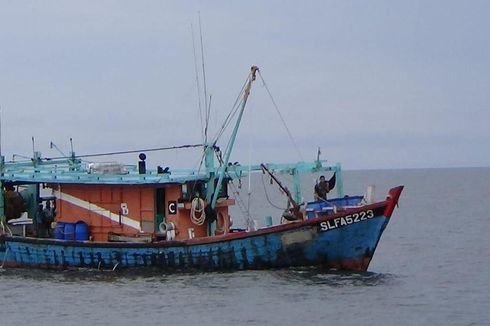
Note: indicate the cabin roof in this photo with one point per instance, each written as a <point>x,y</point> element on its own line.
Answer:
<point>82,174</point>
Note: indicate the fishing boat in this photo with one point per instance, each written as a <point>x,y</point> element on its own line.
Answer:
<point>66,212</point>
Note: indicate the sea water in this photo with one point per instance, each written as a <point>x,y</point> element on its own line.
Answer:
<point>432,267</point>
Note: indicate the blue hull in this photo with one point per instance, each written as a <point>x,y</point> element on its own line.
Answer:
<point>346,240</point>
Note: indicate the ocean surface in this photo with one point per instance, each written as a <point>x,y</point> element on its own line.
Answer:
<point>432,267</point>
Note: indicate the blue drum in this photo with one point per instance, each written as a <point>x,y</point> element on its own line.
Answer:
<point>81,231</point>
<point>69,231</point>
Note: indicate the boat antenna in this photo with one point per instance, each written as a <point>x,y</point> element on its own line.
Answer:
<point>71,147</point>
<point>204,81</point>
<point>209,109</point>
<point>33,147</point>
<point>198,85</point>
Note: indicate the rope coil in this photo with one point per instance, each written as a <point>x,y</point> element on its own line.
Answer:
<point>197,208</point>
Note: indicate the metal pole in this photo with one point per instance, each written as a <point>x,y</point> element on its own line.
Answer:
<point>251,78</point>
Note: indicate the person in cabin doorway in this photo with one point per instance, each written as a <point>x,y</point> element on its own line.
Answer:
<point>45,216</point>
<point>39,222</point>
<point>322,188</point>
<point>48,216</point>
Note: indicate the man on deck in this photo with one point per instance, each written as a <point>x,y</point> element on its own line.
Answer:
<point>322,188</point>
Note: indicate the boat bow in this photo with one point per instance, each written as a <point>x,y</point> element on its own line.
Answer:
<point>392,199</point>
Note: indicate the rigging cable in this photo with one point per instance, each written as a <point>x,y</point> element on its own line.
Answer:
<point>204,81</point>
<point>230,139</point>
<point>249,192</point>
<point>239,201</point>
<point>231,114</point>
<point>267,196</point>
<point>280,116</point>
<point>198,85</point>
<point>132,151</point>
<point>26,158</point>
<point>236,192</point>
<point>194,183</point>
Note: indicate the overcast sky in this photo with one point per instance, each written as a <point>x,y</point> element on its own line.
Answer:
<point>375,84</point>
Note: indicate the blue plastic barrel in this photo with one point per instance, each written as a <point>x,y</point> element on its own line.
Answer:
<point>81,231</point>
<point>59,231</point>
<point>69,231</point>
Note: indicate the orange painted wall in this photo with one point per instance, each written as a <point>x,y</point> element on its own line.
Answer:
<point>141,204</point>
<point>139,200</point>
<point>182,218</point>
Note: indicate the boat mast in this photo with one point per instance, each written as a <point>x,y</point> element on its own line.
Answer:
<point>221,172</point>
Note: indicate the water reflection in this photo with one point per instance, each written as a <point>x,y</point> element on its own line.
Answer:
<point>305,276</point>
<point>334,278</point>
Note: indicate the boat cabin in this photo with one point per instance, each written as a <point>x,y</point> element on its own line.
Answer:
<point>149,210</point>
<point>114,202</point>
